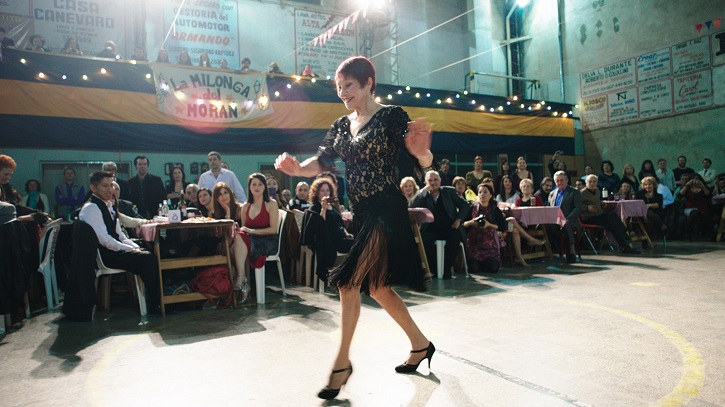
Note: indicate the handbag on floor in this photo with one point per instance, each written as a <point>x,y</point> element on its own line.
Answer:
<point>214,281</point>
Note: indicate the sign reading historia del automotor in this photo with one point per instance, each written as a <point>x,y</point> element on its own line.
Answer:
<point>210,95</point>
<point>667,81</point>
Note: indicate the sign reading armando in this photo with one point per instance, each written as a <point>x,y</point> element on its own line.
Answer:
<point>207,95</point>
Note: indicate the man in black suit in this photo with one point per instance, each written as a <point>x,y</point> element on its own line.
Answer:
<point>569,200</point>
<point>147,190</point>
<point>449,211</point>
<point>547,184</point>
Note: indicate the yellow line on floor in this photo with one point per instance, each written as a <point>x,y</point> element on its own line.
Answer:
<point>694,366</point>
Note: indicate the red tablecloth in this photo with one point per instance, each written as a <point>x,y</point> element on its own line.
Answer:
<point>422,215</point>
<point>634,208</point>
<point>215,227</point>
<point>538,215</point>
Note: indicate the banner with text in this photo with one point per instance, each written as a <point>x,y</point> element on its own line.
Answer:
<point>207,95</point>
<point>203,26</point>
<point>323,58</point>
<point>608,78</point>
<point>693,91</point>
<point>91,23</point>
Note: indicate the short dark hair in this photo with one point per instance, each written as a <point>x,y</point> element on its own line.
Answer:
<point>27,183</point>
<point>545,180</point>
<point>611,165</point>
<point>709,161</point>
<point>141,157</point>
<point>358,68</point>
<point>682,156</point>
<point>246,59</point>
<point>67,169</point>
<point>98,176</point>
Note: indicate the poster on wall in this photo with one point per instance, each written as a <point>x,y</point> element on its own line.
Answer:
<point>323,58</point>
<point>594,113</point>
<point>18,29</point>
<point>608,78</point>
<point>718,85</point>
<point>653,66</point>
<point>718,48</point>
<point>91,23</point>
<point>693,91</point>
<point>208,95</point>
<point>203,26</point>
<point>623,106</point>
<point>655,99</point>
<point>691,56</point>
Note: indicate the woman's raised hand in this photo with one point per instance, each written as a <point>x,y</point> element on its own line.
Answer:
<point>288,164</point>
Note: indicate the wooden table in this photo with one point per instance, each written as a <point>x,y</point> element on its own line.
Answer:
<point>631,211</point>
<point>152,232</point>
<point>416,217</point>
<point>717,200</point>
<point>535,216</point>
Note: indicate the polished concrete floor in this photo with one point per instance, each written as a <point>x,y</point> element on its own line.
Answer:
<point>609,331</point>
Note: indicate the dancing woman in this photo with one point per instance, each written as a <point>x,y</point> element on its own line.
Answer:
<point>384,252</point>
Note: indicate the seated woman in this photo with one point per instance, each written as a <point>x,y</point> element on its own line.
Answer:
<point>697,208</point>
<point>609,179</point>
<point>176,185</point>
<point>625,191</point>
<point>526,186</point>
<point>628,177</point>
<point>257,236</point>
<point>409,187</point>
<point>35,199</point>
<point>528,199</point>
<point>647,170</point>
<point>322,226</point>
<point>483,249</point>
<point>508,194</point>
<point>653,200</point>
<point>206,205</point>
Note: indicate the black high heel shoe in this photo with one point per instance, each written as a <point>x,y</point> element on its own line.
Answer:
<point>328,393</point>
<point>406,368</point>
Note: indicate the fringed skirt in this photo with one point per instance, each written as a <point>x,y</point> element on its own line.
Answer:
<point>384,252</point>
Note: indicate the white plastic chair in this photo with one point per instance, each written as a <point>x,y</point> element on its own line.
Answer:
<point>48,241</point>
<point>259,272</point>
<point>103,270</point>
<point>440,257</point>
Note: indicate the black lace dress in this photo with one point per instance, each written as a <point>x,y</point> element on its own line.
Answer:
<point>384,251</point>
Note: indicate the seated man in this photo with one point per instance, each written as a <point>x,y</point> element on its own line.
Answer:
<point>592,214</point>
<point>117,251</point>
<point>449,210</point>
<point>547,184</point>
<point>191,195</point>
<point>302,193</point>
<point>569,200</point>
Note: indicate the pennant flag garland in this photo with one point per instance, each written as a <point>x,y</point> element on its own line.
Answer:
<point>354,16</point>
<point>708,24</point>
<point>314,43</point>
<point>698,27</point>
<point>716,22</point>
<point>337,28</point>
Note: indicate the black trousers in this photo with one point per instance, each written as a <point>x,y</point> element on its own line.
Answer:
<point>141,263</point>
<point>612,223</point>
<point>453,240</point>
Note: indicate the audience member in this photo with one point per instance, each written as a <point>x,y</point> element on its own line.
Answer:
<point>719,188</point>
<point>459,183</point>
<point>176,185</point>
<point>521,172</point>
<point>666,177</point>
<point>7,192</point>
<point>246,64</point>
<point>503,169</point>
<point>507,192</point>
<point>204,60</point>
<point>5,41</point>
<point>323,228</point>
<point>274,68</point>
<point>483,250</point>
<point>409,188</point>
<point>682,181</point>
<point>302,193</point>
<point>587,170</point>
<point>307,71</point>
<point>556,164</point>
<point>579,184</point>
<point>593,214</point>
<point>37,43</point>
<point>527,197</point>
<point>111,167</point>
<point>625,191</point>
<point>696,211</point>
<point>628,177</point>
<point>10,207</point>
<point>68,194</point>
<point>147,190</point>
<point>655,208</point>
<point>163,57</point>
<point>488,181</point>
<point>272,186</point>
<point>218,174</point>
<point>569,200</point>
<point>518,232</point>
<point>109,51</point>
<point>139,54</point>
<point>475,177</point>
<point>608,178</point>
<point>449,211</point>
<point>190,195</point>
<point>184,59</point>
<point>205,202</point>
<point>71,47</point>
<point>445,173</point>
<point>116,250</point>
<point>546,186</point>
<point>223,64</point>
<point>681,169</point>
<point>35,199</point>
<point>286,196</point>
<point>647,170</point>
<point>127,213</point>
<point>707,173</point>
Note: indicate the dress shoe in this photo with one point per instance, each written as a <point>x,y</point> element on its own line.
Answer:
<point>406,368</point>
<point>571,258</point>
<point>329,393</point>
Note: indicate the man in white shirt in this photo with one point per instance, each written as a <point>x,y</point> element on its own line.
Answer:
<point>666,177</point>
<point>708,174</point>
<point>218,174</point>
<point>118,251</point>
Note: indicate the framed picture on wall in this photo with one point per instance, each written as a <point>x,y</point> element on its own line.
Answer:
<point>194,169</point>
<point>168,167</point>
<point>204,167</point>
